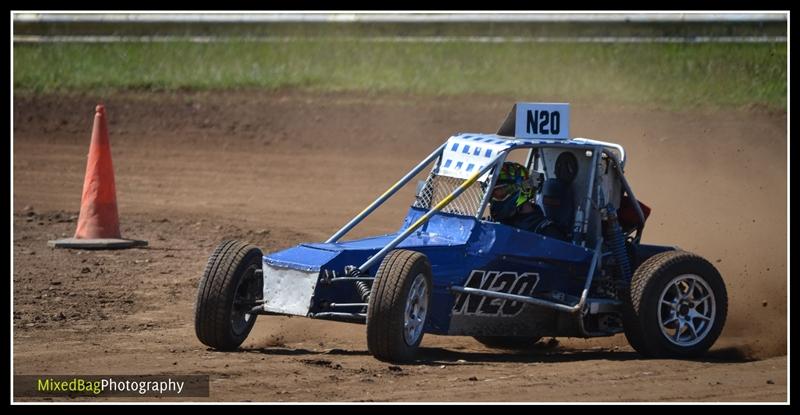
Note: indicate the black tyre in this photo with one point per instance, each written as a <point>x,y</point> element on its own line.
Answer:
<point>398,306</point>
<point>508,343</point>
<point>227,290</point>
<point>676,306</point>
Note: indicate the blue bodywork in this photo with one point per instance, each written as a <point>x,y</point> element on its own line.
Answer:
<point>455,245</point>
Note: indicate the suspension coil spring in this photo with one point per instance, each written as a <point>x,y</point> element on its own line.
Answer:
<point>616,241</point>
<point>362,287</point>
<point>363,290</point>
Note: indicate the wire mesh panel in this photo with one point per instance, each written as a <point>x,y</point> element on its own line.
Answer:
<point>438,187</point>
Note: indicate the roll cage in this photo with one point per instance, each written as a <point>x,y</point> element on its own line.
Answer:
<point>597,150</point>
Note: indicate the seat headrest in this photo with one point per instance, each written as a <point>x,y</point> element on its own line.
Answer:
<point>566,167</point>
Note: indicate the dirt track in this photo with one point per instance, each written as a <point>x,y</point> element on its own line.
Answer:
<point>281,168</point>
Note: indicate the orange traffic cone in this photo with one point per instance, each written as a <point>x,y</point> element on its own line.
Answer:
<point>98,222</point>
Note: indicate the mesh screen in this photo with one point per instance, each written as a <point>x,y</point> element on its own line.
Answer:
<point>438,187</point>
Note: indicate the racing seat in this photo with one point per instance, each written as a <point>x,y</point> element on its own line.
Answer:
<point>558,203</point>
<point>557,196</point>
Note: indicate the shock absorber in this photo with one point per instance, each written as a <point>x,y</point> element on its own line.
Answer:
<point>616,241</point>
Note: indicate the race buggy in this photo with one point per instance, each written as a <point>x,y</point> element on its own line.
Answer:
<point>451,270</point>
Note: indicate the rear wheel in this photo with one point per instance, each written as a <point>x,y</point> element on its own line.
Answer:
<point>398,306</point>
<point>228,289</point>
<point>677,306</point>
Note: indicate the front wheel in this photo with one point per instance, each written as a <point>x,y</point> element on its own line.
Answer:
<point>228,289</point>
<point>398,306</point>
<point>677,305</point>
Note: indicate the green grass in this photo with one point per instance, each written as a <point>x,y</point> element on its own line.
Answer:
<point>671,75</point>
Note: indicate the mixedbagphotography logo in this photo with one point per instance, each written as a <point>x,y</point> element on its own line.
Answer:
<point>111,385</point>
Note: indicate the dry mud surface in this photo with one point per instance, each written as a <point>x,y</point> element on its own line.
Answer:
<point>279,168</point>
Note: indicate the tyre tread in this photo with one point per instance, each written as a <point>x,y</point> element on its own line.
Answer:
<point>217,285</point>
<point>649,270</point>
<point>387,301</point>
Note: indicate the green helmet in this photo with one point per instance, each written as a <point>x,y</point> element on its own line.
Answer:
<point>515,182</point>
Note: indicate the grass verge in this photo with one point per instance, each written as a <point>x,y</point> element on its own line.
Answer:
<point>671,75</point>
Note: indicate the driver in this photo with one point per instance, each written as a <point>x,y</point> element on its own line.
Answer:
<point>512,203</point>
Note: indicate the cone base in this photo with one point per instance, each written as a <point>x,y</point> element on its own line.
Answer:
<point>74,243</point>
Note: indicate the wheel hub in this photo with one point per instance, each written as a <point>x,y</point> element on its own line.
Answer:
<point>240,318</point>
<point>416,310</point>
<point>687,310</point>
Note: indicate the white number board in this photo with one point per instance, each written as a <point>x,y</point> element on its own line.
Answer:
<point>538,120</point>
